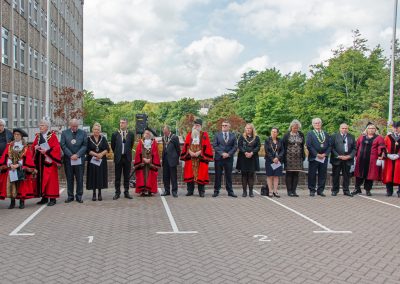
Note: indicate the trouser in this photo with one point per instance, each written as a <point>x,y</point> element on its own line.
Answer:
<point>291,180</point>
<point>170,177</point>
<point>248,180</point>
<point>226,166</point>
<point>122,167</point>
<point>190,187</point>
<point>71,173</point>
<point>389,188</point>
<point>315,167</point>
<point>343,167</point>
<point>367,183</point>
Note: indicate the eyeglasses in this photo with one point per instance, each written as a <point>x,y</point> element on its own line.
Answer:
<point>225,125</point>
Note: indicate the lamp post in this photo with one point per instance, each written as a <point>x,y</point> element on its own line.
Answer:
<point>390,119</point>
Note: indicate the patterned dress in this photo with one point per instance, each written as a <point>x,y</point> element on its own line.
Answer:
<point>294,151</point>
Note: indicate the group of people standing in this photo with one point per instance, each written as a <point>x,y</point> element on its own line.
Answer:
<point>32,171</point>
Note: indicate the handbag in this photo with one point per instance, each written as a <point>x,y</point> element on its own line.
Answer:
<point>21,174</point>
<point>265,190</point>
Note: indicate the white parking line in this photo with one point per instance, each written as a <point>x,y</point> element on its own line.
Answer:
<point>326,230</point>
<point>27,220</point>
<point>175,229</point>
<point>377,200</point>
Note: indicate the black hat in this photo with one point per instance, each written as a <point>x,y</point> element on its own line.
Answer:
<point>198,121</point>
<point>151,130</point>
<point>370,123</point>
<point>20,131</point>
<point>396,124</point>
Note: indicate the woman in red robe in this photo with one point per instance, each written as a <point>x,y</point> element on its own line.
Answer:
<point>196,153</point>
<point>391,171</point>
<point>47,160</point>
<point>147,163</point>
<point>370,149</point>
<point>17,157</point>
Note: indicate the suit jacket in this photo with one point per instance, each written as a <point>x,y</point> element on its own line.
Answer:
<point>78,148</point>
<point>116,145</point>
<point>314,146</point>
<point>171,150</point>
<point>8,137</point>
<point>337,145</point>
<point>220,146</point>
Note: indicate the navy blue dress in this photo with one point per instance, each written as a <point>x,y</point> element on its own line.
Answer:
<point>272,151</point>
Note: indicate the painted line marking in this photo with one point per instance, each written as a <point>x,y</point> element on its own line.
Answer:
<point>90,239</point>
<point>27,220</point>
<point>380,201</point>
<point>324,228</point>
<point>175,229</point>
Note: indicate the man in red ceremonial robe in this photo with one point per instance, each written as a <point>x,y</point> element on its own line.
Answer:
<point>196,153</point>
<point>47,160</point>
<point>147,163</point>
<point>370,151</point>
<point>17,158</point>
<point>391,170</point>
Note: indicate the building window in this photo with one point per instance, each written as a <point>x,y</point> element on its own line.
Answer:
<point>15,111</point>
<point>42,70</point>
<point>4,45</point>
<point>4,107</point>
<point>36,107</point>
<point>36,63</point>
<point>35,13</point>
<point>42,109</point>
<point>30,112</point>
<point>62,42</point>
<point>15,50</point>
<point>45,68</point>
<point>45,25</point>
<point>22,111</point>
<point>30,10</point>
<point>15,4</point>
<point>22,7</point>
<point>22,55</point>
<point>30,61</point>
<point>42,26</point>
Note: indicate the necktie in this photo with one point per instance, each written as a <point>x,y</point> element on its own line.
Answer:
<point>225,136</point>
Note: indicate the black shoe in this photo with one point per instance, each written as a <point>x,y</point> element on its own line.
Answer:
<point>116,196</point>
<point>201,194</point>
<point>215,194</point>
<point>165,193</point>
<point>79,200</point>
<point>189,193</point>
<point>251,194</point>
<point>290,194</point>
<point>94,197</point>
<point>294,194</point>
<point>43,201</point>
<point>69,200</point>
<point>334,193</point>
<point>52,202</point>
<point>127,195</point>
<point>21,204</point>
<point>347,193</point>
<point>174,194</point>
<point>321,194</point>
<point>369,193</point>
<point>388,194</point>
<point>99,197</point>
<point>398,194</point>
<point>356,191</point>
<point>232,194</point>
<point>12,204</point>
<point>312,194</point>
<point>276,195</point>
<point>244,194</point>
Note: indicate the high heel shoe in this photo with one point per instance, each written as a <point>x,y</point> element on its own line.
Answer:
<point>276,195</point>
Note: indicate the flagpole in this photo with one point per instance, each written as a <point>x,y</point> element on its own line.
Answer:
<point>390,118</point>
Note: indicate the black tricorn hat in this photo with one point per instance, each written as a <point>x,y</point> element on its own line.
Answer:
<point>396,124</point>
<point>151,130</point>
<point>20,131</point>
<point>198,121</point>
<point>370,123</point>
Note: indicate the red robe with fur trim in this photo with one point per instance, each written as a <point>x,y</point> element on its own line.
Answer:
<point>25,188</point>
<point>391,171</point>
<point>205,157</point>
<point>149,183</point>
<point>47,166</point>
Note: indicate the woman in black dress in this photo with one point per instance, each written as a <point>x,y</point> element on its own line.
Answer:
<point>248,162</point>
<point>273,160</point>
<point>97,173</point>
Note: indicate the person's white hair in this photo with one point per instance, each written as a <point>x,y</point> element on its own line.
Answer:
<point>293,123</point>
<point>2,122</point>
<point>315,120</point>
<point>45,122</point>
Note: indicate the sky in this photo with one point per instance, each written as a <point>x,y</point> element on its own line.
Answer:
<point>165,50</point>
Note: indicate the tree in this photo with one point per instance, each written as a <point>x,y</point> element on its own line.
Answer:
<point>68,104</point>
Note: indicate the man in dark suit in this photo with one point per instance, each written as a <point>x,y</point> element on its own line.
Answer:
<point>122,143</point>
<point>5,136</point>
<point>170,161</point>
<point>318,145</point>
<point>342,158</point>
<point>74,144</point>
<point>225,146</point>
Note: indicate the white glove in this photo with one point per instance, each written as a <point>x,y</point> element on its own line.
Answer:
<point>390,156</point>
<point>395,157</point>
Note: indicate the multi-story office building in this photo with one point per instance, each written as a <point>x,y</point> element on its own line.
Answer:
<point>25,58</point>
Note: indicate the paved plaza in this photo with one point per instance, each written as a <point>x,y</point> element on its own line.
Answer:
<point>203,240</point>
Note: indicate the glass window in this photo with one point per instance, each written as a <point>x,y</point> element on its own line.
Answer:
<point>35,62</point>
<point>35,13</point>
<point>4,45</point>
<point>4,107</point>
<point>22,111</point>
<point>30,10</point>
<point>30,61</point>
<point>15,111</point>
<point>22,55</point>
<point>30,112</point>
<point>36,111</point>
<point>15,51</point>
<point>22,7</point>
